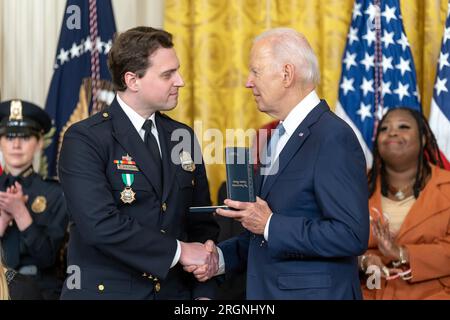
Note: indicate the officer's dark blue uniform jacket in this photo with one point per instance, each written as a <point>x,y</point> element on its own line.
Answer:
<point>35,251</point>
<point>124,250</point>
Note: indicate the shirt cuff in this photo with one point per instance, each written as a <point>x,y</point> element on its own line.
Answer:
<point>266,228</point>
<point>177,255</point>
<point>221,263</point>
<point>31,234</point>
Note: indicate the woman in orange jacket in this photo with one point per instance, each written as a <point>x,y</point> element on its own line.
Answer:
<point>409,245</point>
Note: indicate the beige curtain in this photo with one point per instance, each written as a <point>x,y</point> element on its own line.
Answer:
<point>213,39</point>
<point>29,32</point>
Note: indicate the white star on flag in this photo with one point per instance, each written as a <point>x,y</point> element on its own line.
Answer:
<point>367,86</point>
<point>387,38</point>
<point>389,13</point>
<point>440,86</point>
<point>350,60</point>
<point>372,11</point>
<point>447,34</point>
<point>403,66</point>
<point>368,61</point>
<point>75,51</point>
<point>402,91</point>
<point>403,41</point>
<point>370,37</point>
<point>98,45</point>
<point>385,88</point>
<point>356,10</point>
<point>63,56</point>
<point>347,85</point>
<point>352,35</point>
<point>364,111</point>
<point>387,64</point>
<point>443,60</point>
<point>87,44</point>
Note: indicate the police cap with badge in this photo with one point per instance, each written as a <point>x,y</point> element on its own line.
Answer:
<point>20,118</point>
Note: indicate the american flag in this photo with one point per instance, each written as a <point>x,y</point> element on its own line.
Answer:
<point>378,70</point>
<point>85,39</point>
<point>440,103</point>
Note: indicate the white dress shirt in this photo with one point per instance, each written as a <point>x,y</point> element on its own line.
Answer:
<point>138,121</point>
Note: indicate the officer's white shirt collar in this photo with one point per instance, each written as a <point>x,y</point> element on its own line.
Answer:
<point>137,120</point>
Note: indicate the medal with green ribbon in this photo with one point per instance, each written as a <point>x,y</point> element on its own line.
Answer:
<point>127,195</point>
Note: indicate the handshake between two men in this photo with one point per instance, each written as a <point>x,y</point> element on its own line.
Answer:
<point>203,259</point>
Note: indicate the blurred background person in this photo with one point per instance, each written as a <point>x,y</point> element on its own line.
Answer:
<point>14,286</point>
<point>410,211</point>
<point>33,216</point>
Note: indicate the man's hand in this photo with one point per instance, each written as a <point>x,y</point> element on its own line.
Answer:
<point>194,253</point>
<point>207,271</point>
<point>252,215</point>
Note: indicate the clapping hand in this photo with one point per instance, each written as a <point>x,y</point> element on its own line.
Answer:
<point>386,241</point>
<point>13,203</point>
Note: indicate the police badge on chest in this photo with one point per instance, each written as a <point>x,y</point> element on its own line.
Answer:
<point>186,161</point>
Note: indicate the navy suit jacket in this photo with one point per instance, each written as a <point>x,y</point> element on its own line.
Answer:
<point>124,250</point>
<point>320,221</point>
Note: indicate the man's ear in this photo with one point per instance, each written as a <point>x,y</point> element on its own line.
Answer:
<point>288,74</point>
<point>130,80</point>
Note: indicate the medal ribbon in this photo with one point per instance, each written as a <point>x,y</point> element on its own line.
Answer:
<point>127,179</point>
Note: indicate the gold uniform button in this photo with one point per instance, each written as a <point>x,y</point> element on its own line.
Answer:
<point>164,207</point>
<point>101,287</point>
<point>193,182</point>
<point>163,231</point>
<point>157,287</point>
<point>105,115</point>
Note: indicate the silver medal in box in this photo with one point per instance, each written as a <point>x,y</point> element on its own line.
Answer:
<point>186,161</point>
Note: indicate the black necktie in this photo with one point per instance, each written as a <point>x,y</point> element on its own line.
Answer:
<point>11,180</point>
<point>152,146</point>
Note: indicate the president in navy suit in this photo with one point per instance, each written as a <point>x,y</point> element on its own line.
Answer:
<point>311,219</point>
<point>129,186</point>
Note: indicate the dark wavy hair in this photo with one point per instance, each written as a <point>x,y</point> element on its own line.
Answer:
<point>130,52</point>
<point>429,153</point>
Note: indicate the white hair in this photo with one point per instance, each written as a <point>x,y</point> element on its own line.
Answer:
<point>290,46</point>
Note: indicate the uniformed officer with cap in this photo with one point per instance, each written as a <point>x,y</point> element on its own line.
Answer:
<point>33,216</point>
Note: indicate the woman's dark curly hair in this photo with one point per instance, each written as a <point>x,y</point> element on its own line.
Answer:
<point>429,153</point>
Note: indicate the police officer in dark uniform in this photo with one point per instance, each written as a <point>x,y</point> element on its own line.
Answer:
<point>129,187</point>
<point>33,216</point>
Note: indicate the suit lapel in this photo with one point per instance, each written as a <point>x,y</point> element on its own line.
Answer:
<point>167,145</point>
<point>421,209</point>
<point>127,136</point>
<point>294,143</point>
